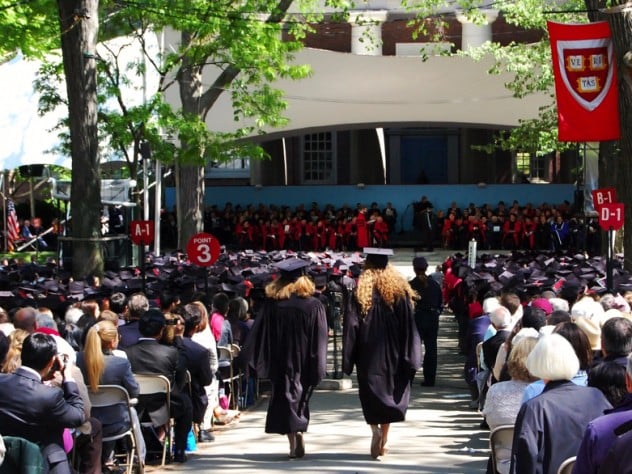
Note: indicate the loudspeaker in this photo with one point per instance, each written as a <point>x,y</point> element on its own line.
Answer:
<point>32,171</point>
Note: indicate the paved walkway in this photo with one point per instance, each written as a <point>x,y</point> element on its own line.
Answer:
<point>441,433</point>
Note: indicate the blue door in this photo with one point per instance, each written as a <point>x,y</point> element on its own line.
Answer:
<point>424,159</point>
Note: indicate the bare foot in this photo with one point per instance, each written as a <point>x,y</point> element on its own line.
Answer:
<point>292,439</point>
<point>376,442</point>
<point>300,445</point>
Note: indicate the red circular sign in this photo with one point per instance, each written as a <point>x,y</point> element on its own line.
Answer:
<point>203,249</point>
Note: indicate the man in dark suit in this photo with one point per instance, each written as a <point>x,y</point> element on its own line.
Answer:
<point>501,320</point>
<point>147,356</point>
<point>37,412</point>
<point>136,307</point>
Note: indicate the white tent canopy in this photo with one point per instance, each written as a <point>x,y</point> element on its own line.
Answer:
<point>353,90</point>
<point>344,91</point>
<point>25,137</point>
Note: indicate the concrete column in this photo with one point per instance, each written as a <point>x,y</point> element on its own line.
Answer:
<point>366,31</point>
<point>474,35</point>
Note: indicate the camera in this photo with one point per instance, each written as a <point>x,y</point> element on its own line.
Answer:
<point>57,366</point>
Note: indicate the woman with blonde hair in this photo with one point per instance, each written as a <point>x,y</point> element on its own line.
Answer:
<point>288,345</point>
<point>382,341</point>
<point>13,359</point>
<point>100,366</point>
<point>504,399</point>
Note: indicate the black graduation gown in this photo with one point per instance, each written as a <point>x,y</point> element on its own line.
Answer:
<point>288,345</point>
<point>386,350</point>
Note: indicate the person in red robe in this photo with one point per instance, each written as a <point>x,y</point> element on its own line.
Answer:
<point>351,234</point>
<point>309,236</point>
<point>336,235</point>
<point>476,230</point>
<point>447,234</point>
<point>528,233</point>
<point>380,231</point>
<point>512,232</point>
<point>362,239</point>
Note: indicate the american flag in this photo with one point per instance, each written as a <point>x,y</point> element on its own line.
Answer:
<point>13,226</point>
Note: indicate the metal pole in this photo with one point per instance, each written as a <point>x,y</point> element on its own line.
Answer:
<point>609,260</point>
<point>142,266</point>
<point>4,213</point>
<point>145,190</point>
<point>157,207</point>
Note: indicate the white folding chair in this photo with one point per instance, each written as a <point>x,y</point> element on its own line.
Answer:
<point>479,355</point>
<point>230,376</point>
<point>500,441</point>
<point>567,466</point>
<point>150,384</point>
<point>109,395</point>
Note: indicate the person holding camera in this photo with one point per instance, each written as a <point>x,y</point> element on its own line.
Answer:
<point>37,412</point>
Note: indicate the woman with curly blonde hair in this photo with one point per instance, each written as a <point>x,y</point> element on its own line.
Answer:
<point>288,345</point>
<point>382,341</point>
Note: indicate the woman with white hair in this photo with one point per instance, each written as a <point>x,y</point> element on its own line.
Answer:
<point>549,427</point>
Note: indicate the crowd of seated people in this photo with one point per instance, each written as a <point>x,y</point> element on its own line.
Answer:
<point>555,364</point>
<point>315,228</point>
<point>110,341</point>
<point>303,228</point>
<point>544,227</point>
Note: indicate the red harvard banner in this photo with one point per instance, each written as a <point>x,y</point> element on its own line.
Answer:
<point>585,82</point>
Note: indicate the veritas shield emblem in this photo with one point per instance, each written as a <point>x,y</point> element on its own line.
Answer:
<point>586,69</point>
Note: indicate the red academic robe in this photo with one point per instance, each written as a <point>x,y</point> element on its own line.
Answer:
<point>362,230</point>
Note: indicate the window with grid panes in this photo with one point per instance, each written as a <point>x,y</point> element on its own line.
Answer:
<point>538,167</point>
<point>319,158</point>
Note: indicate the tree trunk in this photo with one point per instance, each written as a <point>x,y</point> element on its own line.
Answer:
<point>191,202</point>
<point>79,28</point>
<point>191,176</point>
<point>621,26</point>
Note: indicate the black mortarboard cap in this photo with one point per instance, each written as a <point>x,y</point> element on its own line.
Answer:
<point>292,268</point>
<point>377,257</point>
<point>76,287</point>
<point>420,263</point>
<point>319,278</point>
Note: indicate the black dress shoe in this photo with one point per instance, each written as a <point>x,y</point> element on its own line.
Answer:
<point>205,436</point>
<point>425,383</point>
<point>180,456</point>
